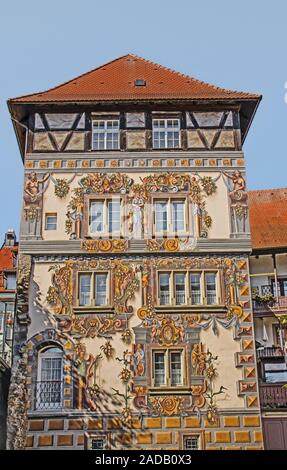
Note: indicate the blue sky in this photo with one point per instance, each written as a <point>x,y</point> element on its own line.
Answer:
<point>237,45</point>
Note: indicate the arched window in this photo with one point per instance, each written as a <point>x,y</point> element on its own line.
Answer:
<point>49,389</point>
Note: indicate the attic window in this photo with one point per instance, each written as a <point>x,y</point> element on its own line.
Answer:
<point>140,82</point>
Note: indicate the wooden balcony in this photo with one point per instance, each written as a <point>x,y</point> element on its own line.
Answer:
<point>272,396</point>
<point>270,308</point>
<point>269,352</point>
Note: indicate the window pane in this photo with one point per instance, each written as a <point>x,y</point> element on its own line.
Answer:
<point>210,283</point>
<point>114,216</point>
<point>164,289</point>
<point>195,288</point>
<point>51,222</point>
<point>85,289</point>
<point>159,369</point>
<point>161,216</point>
<point>101,289</point>
<point>96,216</point>
<point>175,367</point>
<point>178,216</point>
<point>179,283</point>
<point>11,281</point>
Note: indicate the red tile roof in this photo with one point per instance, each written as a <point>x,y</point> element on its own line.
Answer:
<point>268,218</point>
<point>116,81</point>
<point>7,262</point>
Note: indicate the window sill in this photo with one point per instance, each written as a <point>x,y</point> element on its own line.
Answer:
<point>168,390</point>
<point>216,308</point>
<point>93,309</point>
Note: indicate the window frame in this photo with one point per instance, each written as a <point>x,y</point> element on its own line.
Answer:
<point>167,367</point>
<point>92,303</point>
<point>55,224</point>
<point>201,441</point>
<point>6,277</point>
<point>188,292</point>
<point>106,201</point>
<point>44,354</point>
<point>106,131</point>
<point>165,130</point>
<point>169,200</point>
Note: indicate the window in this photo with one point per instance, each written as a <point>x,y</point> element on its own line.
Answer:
<point>210,285</point>
<point>10,281</point>
<point>179,285</point>
<point>50,379</point>
<point>195,287</point>
<point>105,216</point>
<point>191,442</point>
<point>275,372</point>
<point>164,289</point>
<point>183,288</point>
<point>85,289</point>
<point>106,135</point>
<point>166,133</point>
<point>51,222</point>
<point>167,368</point>
<point>92,289</point>
<point>170,216</point>
<point>159,368</point>
<point>97,443</point>
<point>101,289</point>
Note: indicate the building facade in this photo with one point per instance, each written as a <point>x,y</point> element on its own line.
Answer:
<point>268,268</point>
<point>8,262</point>
<point>134,320</point>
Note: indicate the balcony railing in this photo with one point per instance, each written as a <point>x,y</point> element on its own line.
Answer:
<point>49,395</point>
<point>270,352</point>
<point>273,396</point>
<point>272,306</point>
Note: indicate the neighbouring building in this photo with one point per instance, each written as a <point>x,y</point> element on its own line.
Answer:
<point>8,261</point>
<point>268,272</point>
<point>134,323</point>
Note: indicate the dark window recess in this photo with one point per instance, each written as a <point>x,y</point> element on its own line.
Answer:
<point>140,82</point>
<point>97,444</point>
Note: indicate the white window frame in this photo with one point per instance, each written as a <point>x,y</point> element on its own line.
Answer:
<point>44,354</point>
<point>188,292</point>
<point>165,130</point>
<point>105,231</point>
<point>51,215</point>
<point>170,222</point>
<point>93,293</point>
<point>167,367</point>
<point>104,130</point>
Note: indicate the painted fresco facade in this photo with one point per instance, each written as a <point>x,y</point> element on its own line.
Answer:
<point>134,322</point>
